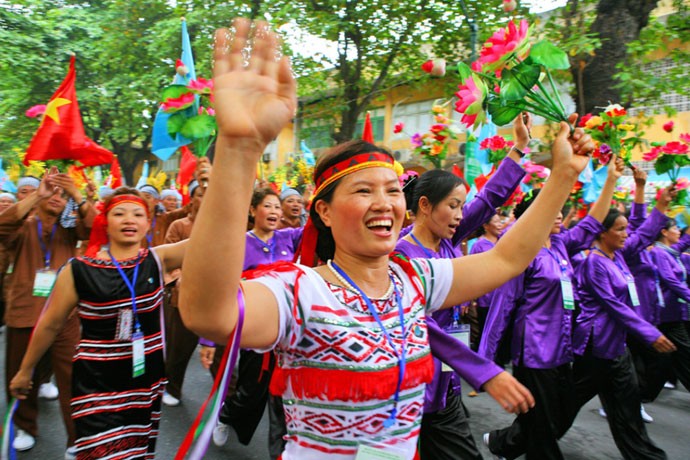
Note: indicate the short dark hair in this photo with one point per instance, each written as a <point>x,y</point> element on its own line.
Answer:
<point>435,185</point>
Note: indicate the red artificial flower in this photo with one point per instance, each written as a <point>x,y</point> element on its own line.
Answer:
<point>668,127</point>
<point>435,67</point>
<point>652,154</point>
<point>583,121</point>
<point>201,86</point>
<point>398,128</point>
<point>178,103</point>
<point>675,148</point>
<point>509,5</point>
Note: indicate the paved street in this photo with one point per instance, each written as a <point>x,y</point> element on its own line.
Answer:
<point>588,439</point>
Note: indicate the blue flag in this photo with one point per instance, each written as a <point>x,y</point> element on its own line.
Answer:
<point>308,154</point>
<point>163,146</point>
<point>592,190</point>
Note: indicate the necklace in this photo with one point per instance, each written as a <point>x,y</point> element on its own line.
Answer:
<point>346,284</point>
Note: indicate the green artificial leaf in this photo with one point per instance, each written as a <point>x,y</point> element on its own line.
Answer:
<point>199,126</point>
<point>516,82</point>
<point>502,113</point>
<point>464,71</point>
<point>681,160</point>
<point>664,164</point>
<point>549,55</point>
<point>174,91</point>
<point>175,123</point>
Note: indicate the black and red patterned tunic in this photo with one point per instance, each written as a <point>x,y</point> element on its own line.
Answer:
<point>115,415</point>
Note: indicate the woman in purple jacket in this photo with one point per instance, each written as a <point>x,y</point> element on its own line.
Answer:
<point>537,307</point>
<point>674,309</point>
<point>608,299</point>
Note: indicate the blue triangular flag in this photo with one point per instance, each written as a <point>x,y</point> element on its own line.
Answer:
<point>308,154</point>
<point>162,145</point>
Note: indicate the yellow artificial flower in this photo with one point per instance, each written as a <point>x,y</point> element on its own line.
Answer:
<point>594,122</point>
<point>626,127</point>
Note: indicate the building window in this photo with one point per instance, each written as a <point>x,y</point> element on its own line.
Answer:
<point>317,136</point>
<point>416,117</point>
<point>679,102</point>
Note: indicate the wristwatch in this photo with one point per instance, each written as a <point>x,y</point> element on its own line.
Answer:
<point>81,203</point>
<point>519,152</point>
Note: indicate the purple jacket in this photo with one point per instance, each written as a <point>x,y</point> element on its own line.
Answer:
<point>532,305</point>
<point>281,247</point>
<point>607,314</point>
<point>475,213</point>
<point>483,245</point>
<point>673,283</point>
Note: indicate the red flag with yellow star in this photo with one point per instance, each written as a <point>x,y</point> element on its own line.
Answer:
<point>61,134</point>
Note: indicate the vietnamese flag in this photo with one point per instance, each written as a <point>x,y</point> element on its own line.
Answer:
<point>115,174</point>
<point>368,131</point>
<point>186,173</point>
<point>61,134</point>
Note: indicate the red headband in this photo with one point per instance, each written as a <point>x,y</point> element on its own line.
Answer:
<point>307,249</point>
<point>99,233</point>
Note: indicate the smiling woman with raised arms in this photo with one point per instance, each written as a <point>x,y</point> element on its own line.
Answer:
<point>350,336</point>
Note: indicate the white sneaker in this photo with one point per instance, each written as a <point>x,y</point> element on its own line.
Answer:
<point>220,434</point>
<point>669,386</point>
<point>645,416</point>
<point>71,453</point>
<point>170,400</point>
<point>23,441</point>
<point>602,412</point>
<point>48,391</point>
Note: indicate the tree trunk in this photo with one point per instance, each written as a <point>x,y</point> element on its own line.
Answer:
<point>618,22</point>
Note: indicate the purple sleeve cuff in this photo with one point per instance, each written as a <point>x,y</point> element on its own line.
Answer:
<point>638,213</point>
<point>206,343</point>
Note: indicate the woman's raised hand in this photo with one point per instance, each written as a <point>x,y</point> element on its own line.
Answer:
<point>571,151</point>
<point>255,97</point>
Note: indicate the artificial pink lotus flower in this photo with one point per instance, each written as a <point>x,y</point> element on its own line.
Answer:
<point>682,183</point>
<point>652,154</point>
<point>504,44</point>
<point>201,86</point>
<point>668,127</point>
<point>206,111</point>
<point>471,95</point>
<point>180,68</point>
<point>175,104</point>
<point>675,148</point>
<point>435,67</point>
<point>35,111</point>
<point>685,137</point>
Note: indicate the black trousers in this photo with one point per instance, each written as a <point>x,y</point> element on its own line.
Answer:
<point>243,409</point>
<point>446,434</point>
<point>652,369</point>
<point>615,382</point>
<point>677,333</point>
<point>536,433</point>
<point>277,429</point>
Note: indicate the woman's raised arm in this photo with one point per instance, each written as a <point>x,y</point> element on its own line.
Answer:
<point>254,100</point>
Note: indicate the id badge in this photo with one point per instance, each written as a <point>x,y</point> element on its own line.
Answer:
<point>568,297</point>
<point>10,268</point>
<point>632,290</point>
<point>138,356</point>
<point>462,333</point>
<point>124,325</point>
<point>43,283</point>
<point>378,451</point>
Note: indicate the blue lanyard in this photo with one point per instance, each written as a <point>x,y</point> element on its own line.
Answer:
<point>562,263</point>
<point>131,285</point>
<point>429,255</point>
<point>626,274</point>
<point>269,248</point>
<point>398,354</point>
<point>45,248</point>
<point>149,237</point>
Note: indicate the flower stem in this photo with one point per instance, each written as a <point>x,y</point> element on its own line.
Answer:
<point>555,90</point>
